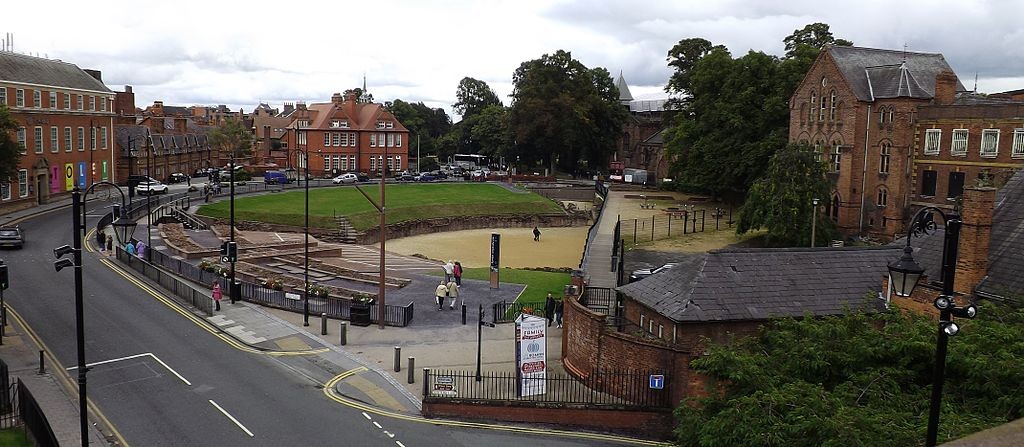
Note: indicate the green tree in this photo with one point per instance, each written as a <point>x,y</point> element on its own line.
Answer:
<point>782,199</point>
<point>489,130</point>
<point>473,96</point>
<point>814,36</point>
<point>855,380</point>
<point>564,113</point>
<point>10,150</point>
<point>682,57</point>
<point>231,139</point>
<point>429,124</point>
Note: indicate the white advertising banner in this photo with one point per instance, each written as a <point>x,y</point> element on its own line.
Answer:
<point>531,354</point>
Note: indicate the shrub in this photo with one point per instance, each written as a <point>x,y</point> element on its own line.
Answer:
<point>319,291</point>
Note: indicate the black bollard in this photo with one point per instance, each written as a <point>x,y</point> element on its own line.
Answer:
<point>398,359</point>
<point>412,370</point>
<point>344,333</point>
<point>323,323</point>
<point>42,363</point>
<point>463,313</point>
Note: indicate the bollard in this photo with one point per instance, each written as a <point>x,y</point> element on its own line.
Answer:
<point>42,365</point>
<point>323,323</point>
<point>412,369</point>
<point>344,333</point>
<point>398,359</point>
<point>426,378</point>
<point>463,313</point>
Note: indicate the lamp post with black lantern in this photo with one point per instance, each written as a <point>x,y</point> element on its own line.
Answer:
<point>123,229</point>
<point>305,230</point>
<point>903,276</point>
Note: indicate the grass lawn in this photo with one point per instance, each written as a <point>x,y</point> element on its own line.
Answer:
<point>538,283</point>
<point>404,202</point>
<point>13,437</point>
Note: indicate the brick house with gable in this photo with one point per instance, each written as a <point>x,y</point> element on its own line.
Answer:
<point>347,136</point>
<point>857,107</point>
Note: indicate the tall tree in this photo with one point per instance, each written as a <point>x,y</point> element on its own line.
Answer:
<point>682,57</point>
<point>782,199</point>
<point>489,130</point>
<point>424,122</point>
<point>564,112</point>
<point>10,150</point>
<point>232,139</point>
<point>472,96</point>
<point>848,380</point>
<point>814,36</point>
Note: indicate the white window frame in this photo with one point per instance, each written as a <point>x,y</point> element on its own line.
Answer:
<point>103,138</point>
<point>343,124</point>
<point>391,163</point>
<point>1018,144</point>
<point>344,162</point>
<point>335,123</point>
<point>103,104</point>
<point>5,190</point>
<point>389,125</point>
<point>300,137</point>
<point>19,97</point>
<point>821,109</point>
<point>373,142</point>
<point>932,141</point>
<point>3,95</point>
<point>832,106</point>
<point>68,146</point>
<point>813,105</point>
<point>352,139</point>
<point>373,163</point>
<point>81,101</point>
<point>67,101</point>
<point>398,140</point>
<point>327,138</point>
<point>958,144</point>
<point>23,183</point>
<point>23,139</point>
<point>380,124</point>
<point>81,139</point>
<point>54,139</point>
<point>37,133</point>
<point>884,158</point>
<point>37,99</point>
<point>837,157</point>
<point>335,138</point>
<point>92,103</point>
<point>995,144</point>
<point>92,138</point>
<point>882,197</point>
<point>398,161</point>
<point>391,140</point>
<point>53,100</point>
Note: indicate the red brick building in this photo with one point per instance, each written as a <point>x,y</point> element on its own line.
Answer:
<point>346,136</point>
<point>65,117</point>
<point>156,144</point>
<point>858,107</point>
<point>640,146</point>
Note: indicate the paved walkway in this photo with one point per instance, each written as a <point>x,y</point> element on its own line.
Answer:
<point>598,262</point>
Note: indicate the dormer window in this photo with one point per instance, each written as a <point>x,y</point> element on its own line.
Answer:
<point>390,125</point>
<point>302,123</point>
<point>342,124</point>
<point>381,124</point>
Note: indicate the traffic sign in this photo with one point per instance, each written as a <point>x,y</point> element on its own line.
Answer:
<point>657,381</point>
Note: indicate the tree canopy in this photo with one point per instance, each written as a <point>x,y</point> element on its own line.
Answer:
<point>10,150</point>
<point>735,114</point>
<point>429,124</point>
<point>232,138</point>
<point>472,96</point>
<point>563,112</point>
<point>781,200</point>
<point>814,36</point>
<point>848,380</point>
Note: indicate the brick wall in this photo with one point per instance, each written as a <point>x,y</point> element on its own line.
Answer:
<point>655,424</point>
<point>972,256</point>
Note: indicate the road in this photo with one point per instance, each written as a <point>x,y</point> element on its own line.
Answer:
<point>160,378</point>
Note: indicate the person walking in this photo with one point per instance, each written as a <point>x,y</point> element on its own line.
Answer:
<point>439,295</point>
<point>449,270</point>
<point>549,308</point>
<point>559,308</point>
<point>453,293</point>
<point>101,239</point>
<point>457,271</point>
<point>129,248</point>
<point>110,244</point>
<point>217,295</point>
<point>536,233</point>
<point>140,249</point>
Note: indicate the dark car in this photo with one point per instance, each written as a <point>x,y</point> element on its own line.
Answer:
<point>12,237</point>
<point>643,273</point>
<point>405,176</point>
<point>425,177</point>
<point>439,174</point>
<point>177,177</point>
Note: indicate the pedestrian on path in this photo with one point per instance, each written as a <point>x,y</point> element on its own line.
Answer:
<point>549,308</point>
<point>457,271</point>
<point>101,239</point>
<point>453,293</point>
<point>449,270</point>
<point>217,295</point>
<point>129,248</point>
<point>439,294</point>
<point>140,249</point>
<point>536,233</point>
<point>559,308</point>
<point>110,244</point>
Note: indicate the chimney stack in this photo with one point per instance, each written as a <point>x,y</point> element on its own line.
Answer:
<point>337,98</point>
<point>288,108</point>
<point>972,259</point>
<point>945,87</point>
<point>157,109</point>
<point>96,74</point>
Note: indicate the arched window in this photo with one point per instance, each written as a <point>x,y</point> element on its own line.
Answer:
<point>836,156</point>
<point>625,142</point>
<point>814,102</point>
<point>881,115</point>
<point>821,109</point>
<point>883,197</point>
<point>833,207</point>
<point>818,145</point>
<point>832,106</point>
<point>892,111</point>
<point>884,153</point>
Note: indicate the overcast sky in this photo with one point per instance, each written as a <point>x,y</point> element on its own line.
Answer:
<point>241,53</point>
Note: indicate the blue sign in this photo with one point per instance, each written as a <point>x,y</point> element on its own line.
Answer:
<point>81,174</point>
<point>657,381</point>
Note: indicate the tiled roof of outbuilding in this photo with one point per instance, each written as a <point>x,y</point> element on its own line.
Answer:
<point>16,67</point>
<point>889,73</point>
<point>757,284</point>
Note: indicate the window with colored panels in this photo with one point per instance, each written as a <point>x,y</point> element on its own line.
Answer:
<point>990,143</point>
<point>931,141</point>
<point>958,146</point>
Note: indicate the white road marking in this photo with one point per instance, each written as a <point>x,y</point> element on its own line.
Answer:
<point>279,238</point>
<point>390,435</point>
<point>367,416</point>
<point>376,424</point>
<point>87,365</point>
<point>239,424</point>
<point>399,443</point>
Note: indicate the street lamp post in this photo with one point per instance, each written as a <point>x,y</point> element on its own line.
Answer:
<point>123,227</point>
<point>231,223</point>
<point>814,219</point>
<point>149,206</point>
<point>305,246</point>
<point>903,276</point>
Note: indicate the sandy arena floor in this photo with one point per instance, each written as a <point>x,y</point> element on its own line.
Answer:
<point>558,247</point>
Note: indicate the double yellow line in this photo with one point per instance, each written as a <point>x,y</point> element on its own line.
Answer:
<point>330,392</point>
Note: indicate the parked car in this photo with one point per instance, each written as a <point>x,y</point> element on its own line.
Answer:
<point>440,175</point>
<point>134,180</point>
<point>275,177</point>
<point>177,177</point>
<point>151,187</point>
<point>347,177</point>
<point>643,273</point>
<point>425,177</point>
<point>405,176</point>
<point>362,176</point>
<point>12,237</point>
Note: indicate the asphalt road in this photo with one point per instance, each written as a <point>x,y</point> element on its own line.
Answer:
<point>163,379</point>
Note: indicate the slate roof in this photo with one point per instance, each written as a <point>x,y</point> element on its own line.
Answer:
<point>875,73</point>
<point>16,67</point>
<point>757,284</point>
<point>658,138</point>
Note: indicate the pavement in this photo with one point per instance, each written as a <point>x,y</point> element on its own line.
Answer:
<point>598,262</point>
<point>436,339</point>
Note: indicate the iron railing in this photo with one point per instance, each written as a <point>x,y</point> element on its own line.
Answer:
<point>18,408</point>
<point>675,222</point>
<point>506,312</point>
<point>186,292</point>
<point>629,388</point>
<point>601,300</point>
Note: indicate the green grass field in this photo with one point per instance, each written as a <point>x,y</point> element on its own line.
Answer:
<point>404,202</point>
<point>538,283</point>
<point>14,437</point>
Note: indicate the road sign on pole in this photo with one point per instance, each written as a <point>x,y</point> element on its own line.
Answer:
<point>657,381</point>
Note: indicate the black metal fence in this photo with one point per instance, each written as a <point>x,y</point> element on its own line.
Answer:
<point>18,408</point>
<point>675,222</point>
<point>601,300</point>
<point>506,312</point>
<point>628,388</point>
<point>334,307</point>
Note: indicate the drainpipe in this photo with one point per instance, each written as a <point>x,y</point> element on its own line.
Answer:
<point>864,173</point>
